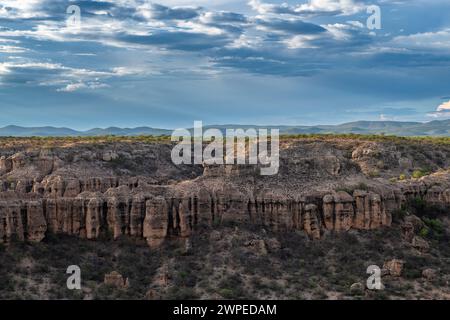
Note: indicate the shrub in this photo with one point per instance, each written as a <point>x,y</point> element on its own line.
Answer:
<point>435,228</point>
<point>422,208</point>
<point>227,293</point>
<point>420,173</point>
<point>181,293</point>
<point>374,173</point>
<point>424,232</point>
<point>232,286</point>
<point>434,224</point>
<point>398,215</point>
<point>418,204</point>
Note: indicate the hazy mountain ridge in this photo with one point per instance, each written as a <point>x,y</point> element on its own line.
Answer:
<point>433,128</point>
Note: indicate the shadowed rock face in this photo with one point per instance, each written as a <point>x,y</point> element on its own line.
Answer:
<point>86,193</point>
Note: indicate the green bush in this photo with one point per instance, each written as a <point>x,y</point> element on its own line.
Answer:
<point>435,228</point>
<point>434,224</point>
<point>419,173</point>
<point>424,232</point>
<point>227,293</point>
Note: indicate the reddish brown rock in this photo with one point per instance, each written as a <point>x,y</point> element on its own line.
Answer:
<point>311,221</point>
<point>115,279</point>
<point>343,208</point>
<point>36,224</point>
<point>394,267</point>
<point>362,210</point>
<point>156,221</point>
<point>94,218</point>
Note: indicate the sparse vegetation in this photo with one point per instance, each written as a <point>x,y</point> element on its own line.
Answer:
<point>417,174</point>
<point>50,142</point>
<point>299,269</point>
<point>226,266</point>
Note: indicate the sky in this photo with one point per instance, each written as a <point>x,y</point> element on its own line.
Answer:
<point>165,64</point>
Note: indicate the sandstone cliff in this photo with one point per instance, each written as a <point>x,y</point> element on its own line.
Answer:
<point>129,189</point>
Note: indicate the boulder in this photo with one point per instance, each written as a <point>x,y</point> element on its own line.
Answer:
<point>152,294</point>
<point>115,279</point>
<point>429,274</point>
<point>257,247</point>
<point>109,156</point>
<point>420,244</point>
<point>357,288</point>
<point>394,267</point>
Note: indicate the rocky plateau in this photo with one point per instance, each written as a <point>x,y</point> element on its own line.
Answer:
<point>131,188</point>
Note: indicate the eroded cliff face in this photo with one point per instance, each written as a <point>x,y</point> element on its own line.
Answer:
<point>77,191</point>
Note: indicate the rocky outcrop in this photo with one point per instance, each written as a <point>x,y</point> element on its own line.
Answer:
<point>115,279</point>
<point>156,221</point>
<point>429,274</point>
<point>155,217</point>
<point>22,220</point>
<point>135,190</point>
<point>394,267</point>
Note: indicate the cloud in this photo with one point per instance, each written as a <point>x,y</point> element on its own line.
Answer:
<point>160,12</point>
<point>444,107</point>
<point>186,41</point>
<point>63,78</point>
<point>223,17</point>
<point>301,42</point>
<point>438,40</point>
<point>289,26</point>
<point>344,7</point>
<point>313,7</point>
<point>24,9</point>
<point>72,87</point>
<point>12,49</point>
<point>442,111</point>
<point>272,36</point>
<point>267,8</point>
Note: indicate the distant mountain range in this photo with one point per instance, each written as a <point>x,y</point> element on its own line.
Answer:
<point>16,131</point>
<point>433,128</point>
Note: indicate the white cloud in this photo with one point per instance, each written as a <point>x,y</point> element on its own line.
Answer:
<point>194,27</point>
<point>245,41</point>
<point>313,7</point>
<point>3,69</point>
<point>339,31</point>
<point>429,40</point>
<point>72,87</point>
<point>11,49</point>
<point>442,111</point>
<point>66,79</point>
<point>345,7</point>
<point>266,8</point>
<point>444,107</point>
<point>383,117</point>
<point>301,42</point>
<point>356,24</point>
<point>21,9</point>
